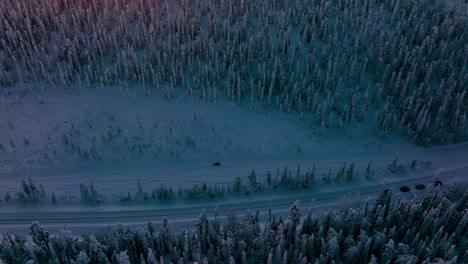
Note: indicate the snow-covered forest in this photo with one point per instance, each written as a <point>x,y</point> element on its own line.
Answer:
<point>400,65</point>
<point>121,121</point>
<point>423,230</point>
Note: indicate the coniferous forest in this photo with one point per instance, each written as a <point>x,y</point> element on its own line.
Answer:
<point>400,65</point>
<point>351,76</point>
<point>430,229</point>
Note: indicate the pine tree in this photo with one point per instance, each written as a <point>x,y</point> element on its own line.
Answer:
<point>268,179</point>
<point>387,256</point>
<point>142,259</point>
<point>54,198</point>
<point>294,218</point>
<point>237,185</point>
<point>352,255</point>
<point>82,258</point>
<point>122,258</point>
<point>393,167</point>
<point>96,251</point>
<point>253,179</point>
<point>231,225</point>
<point>203,230</point>
<point>285,257</point>
<point>140,190</point>
<point>244,258</point>
<point>341,172</point>
<point>215,227</point>
<point>350,171</point>
<point>165,236</point>
<point>38,234</point>
<point>270,258</point>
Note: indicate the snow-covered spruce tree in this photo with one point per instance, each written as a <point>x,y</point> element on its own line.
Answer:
<point>97,251</point>
<point>82,258</point>
<point>294,218</point>
<point>89,193</point>
<point>203,228</point>
<point>39,236</point>
<point>253,180</point>
<point>30,191</point>
<point>121,258</point>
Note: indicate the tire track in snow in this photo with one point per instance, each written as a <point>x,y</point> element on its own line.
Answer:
<point>188,214</point>
<point>451,159</point>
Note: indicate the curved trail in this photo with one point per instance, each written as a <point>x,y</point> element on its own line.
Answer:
<point>451,160</point>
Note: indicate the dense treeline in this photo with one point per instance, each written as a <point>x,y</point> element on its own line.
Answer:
<point>334,62</point>
<point>430,229</point>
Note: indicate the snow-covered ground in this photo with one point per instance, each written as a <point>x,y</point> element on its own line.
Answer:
<point>81,218</point>
<point>128,112</point>
<point>50,136</point>
<point>174,143</point>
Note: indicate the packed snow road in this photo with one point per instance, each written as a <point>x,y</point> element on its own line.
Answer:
<point>450,162</point>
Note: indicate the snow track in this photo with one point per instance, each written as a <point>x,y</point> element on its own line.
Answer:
<point>325,197</point>
<point>224,132</point>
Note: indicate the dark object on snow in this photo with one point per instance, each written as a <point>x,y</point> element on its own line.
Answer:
<point>216,164</point>
<point>437,183</point>
<point>420,187</point>
<point>404,189</point>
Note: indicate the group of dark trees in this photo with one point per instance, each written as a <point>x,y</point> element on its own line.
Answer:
<point>285,179</point>
<point>28,191</point>
<point>335,63</point>
<point>429,229</point>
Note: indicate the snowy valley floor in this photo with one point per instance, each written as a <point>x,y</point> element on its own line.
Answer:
<point>67,139</point>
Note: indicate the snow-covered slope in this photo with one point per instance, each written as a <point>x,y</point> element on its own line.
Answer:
<point>53,128</point>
